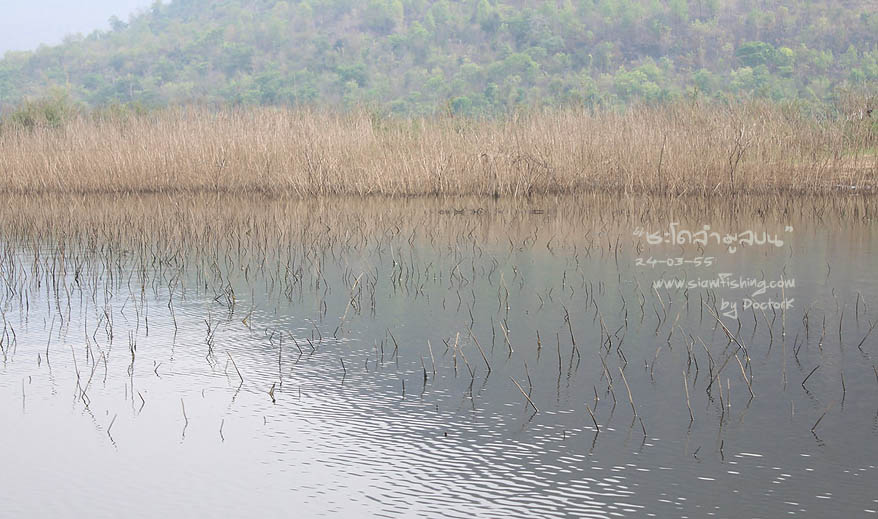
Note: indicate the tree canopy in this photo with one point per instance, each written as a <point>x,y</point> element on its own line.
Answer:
<point>474,57</point>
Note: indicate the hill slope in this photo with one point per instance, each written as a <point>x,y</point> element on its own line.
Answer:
<point>468,56</point>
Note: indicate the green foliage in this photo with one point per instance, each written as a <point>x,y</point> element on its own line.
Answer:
<point>382,16</point>
<point>755,53</point>
<point>487,17</point>
<point>47,112</point>
<point>470,57</point>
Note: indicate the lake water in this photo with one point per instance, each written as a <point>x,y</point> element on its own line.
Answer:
<point>438,358</point>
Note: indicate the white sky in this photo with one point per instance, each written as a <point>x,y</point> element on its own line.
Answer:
<point>25,24</point>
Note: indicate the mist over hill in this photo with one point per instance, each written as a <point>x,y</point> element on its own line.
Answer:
<point>464,56</point>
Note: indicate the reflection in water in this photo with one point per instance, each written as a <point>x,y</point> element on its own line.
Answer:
<point>425,358</point>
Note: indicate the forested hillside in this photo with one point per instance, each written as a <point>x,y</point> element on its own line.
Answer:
<point>465,56</point>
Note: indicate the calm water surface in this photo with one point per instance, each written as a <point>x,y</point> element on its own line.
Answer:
<point>371,358</point>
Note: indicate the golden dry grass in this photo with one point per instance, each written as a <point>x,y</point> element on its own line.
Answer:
<point>682,148</point>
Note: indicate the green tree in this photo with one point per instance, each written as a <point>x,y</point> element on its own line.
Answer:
<point>382,16</point>
<point>754,53</point>
<point>487,17</point>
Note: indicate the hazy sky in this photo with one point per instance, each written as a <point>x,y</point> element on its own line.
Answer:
<point>25,24</point>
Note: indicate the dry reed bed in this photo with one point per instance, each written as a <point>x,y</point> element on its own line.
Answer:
<point>684,148</point>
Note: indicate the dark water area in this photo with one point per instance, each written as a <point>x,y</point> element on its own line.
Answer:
<point>439,358</point>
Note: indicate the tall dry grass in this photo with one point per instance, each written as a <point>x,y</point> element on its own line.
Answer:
<point>682,148</point>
